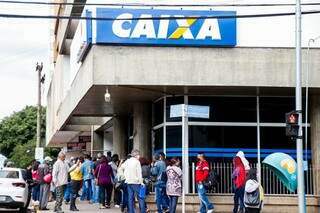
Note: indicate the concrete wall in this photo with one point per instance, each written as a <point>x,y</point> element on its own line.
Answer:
<point>120,136</point>
<point>269,67</point>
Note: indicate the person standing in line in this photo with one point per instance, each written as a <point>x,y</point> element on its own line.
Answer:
<point>146,175</point>
<point>60,180</point>
<point>104,176</point>
<point>202,173</point>
<point>44,170</point>
<point>122,185</point>
<point>36,180</point>
<point>95,187</point>
<point>134,180</point>
<point>76,178</point>
<point>114,165</point>
<point>244,161</point>
<point>252,185</point>
<point>174,183</point>
<point>239,179</point>
<point>86,170</point>
<point>158,170</point>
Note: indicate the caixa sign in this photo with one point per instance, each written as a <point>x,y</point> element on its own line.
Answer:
<point>166,27</point>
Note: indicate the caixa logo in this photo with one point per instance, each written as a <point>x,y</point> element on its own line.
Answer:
<point>145,27</point>
<point>166,27</point>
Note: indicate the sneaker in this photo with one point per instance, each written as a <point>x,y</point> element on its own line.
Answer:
<point>116,206</point>
<point>210,211</point>
<point>102,207</point>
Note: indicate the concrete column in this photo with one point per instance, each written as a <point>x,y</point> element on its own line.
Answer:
<point>107,141</point>
<point>97,138</point>
<point>142,128</point>
<point>315,140</point>
<point>120,137</point>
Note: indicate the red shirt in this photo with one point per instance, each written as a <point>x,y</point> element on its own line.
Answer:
<point>202,171</point>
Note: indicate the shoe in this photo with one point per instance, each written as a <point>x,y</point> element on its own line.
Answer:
<point>166,211</point>
<point>74,210</point>
<point>116,206</point>
<point>108,207</point>
<point>102,207</point>
<point>45,209</point>
<point>210,211</point>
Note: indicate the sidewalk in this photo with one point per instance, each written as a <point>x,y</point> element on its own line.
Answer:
<point>83,206</point>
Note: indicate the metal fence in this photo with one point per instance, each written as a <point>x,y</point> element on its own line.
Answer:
<point>270,183</point>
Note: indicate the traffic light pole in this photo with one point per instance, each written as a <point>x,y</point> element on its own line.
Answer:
<point>298,109</point>
<point>39,70</point>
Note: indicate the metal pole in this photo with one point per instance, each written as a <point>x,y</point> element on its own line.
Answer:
<point>185,153</point>
<point>39,70</point>
<point>299,108</point>
<point>258,138</point>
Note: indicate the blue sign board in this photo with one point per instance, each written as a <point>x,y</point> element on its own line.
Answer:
<point>193,111</point>
<point>165,27</point>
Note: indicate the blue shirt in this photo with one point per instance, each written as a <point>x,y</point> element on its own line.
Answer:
<point>158,168</point>
<point>86,169</point>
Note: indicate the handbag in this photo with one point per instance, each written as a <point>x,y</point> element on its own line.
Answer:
<point>47,178</point>
<point>252,199</point>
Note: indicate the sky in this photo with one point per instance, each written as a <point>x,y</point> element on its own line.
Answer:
<point>23,43</point>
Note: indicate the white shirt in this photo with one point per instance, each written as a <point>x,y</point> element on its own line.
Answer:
<point>132,171</point>
<point>60,173</point>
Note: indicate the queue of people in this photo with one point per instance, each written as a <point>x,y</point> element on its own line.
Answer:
<point>131,179</point>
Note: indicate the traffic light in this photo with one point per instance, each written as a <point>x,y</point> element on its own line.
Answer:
<point>292,126</point>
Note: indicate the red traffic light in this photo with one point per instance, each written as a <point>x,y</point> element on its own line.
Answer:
<point>292,118</point>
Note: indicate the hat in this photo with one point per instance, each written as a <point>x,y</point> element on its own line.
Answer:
<point>47,158</point>
<point>135,153</point>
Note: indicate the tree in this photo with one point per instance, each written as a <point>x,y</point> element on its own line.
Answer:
<point>18,135</point>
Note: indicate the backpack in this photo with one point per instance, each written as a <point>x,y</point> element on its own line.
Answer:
<point>212,180</point>
<point>163,177</point>
<point>252,199</point>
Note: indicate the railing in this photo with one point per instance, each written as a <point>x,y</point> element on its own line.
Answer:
<point>270,183</point>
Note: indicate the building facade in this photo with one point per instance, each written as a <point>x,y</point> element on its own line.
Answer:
<point>121,74</point>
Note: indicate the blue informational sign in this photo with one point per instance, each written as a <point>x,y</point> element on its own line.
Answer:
<point>193,111</point>
<point>166,27</point>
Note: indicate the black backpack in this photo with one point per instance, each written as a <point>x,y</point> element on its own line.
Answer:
<point>212,180</point>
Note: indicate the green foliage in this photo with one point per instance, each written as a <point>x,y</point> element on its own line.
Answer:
<point>18,135</point>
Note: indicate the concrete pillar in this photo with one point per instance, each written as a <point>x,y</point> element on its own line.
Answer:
<point>107,141</point>
<point>120,137</point>
<point>315,140</point>
<point>97,146</point>
<point>142,128</point>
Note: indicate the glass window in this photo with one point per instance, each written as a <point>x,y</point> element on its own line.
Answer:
<point>173,101</point>
<point>9,174</point>
<point>174,141</point>
<point>158,140</point>
<point>273,109</point>
<point>227,109</point>
<point>274,139</point>
<point>223,142</point>
<point>158,112</point>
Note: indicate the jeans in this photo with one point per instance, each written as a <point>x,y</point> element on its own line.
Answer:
<point>86,190</point>
<point>75,185</point>
<point>238,195</point>
<point>162,199</point>
<point>109,194</point>
<point>173,203</point>
<point>95,192</point>
<point>132,190</point>
<point>36,192</point>
<point>204,201</point>
<point>67,193</point>
<point>124,196</point>
<point>59,198</point>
